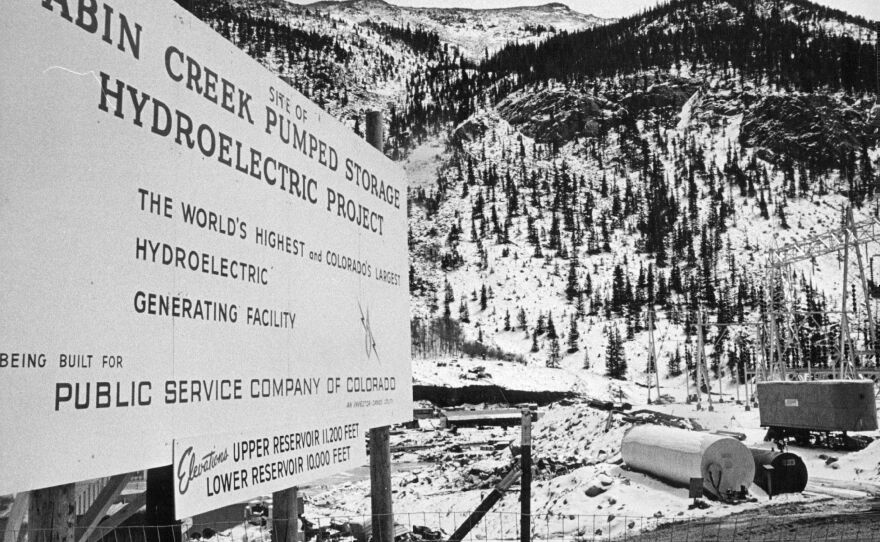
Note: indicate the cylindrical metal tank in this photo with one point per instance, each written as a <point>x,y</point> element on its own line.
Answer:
<point>789,474</point>
<point>677,455</point>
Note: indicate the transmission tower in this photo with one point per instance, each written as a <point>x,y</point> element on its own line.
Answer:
<point>849,238</point>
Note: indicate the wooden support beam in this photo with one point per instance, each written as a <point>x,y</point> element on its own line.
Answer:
<point>96,512</point>
<point>132,505</point>
<point>52,514</point>
<point>12,531</point>
<point>285,515</point>
<point>491,499</point>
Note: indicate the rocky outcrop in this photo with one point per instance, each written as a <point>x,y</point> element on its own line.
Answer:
<point>816,128</point>
<point>559,115</point>
<point>469,130</point>
<point>670,95</point>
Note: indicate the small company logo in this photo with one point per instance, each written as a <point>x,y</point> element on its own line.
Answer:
<point>190,467</point>
<point>369,340</point>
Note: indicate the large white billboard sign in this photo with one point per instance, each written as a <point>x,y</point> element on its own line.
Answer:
<point>188,248</point>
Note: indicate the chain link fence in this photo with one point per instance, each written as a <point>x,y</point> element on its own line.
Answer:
<point>504,527</point>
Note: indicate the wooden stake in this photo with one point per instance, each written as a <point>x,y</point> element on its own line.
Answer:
<point>525,522</point>
<point>285,515</point>
<point>52,514</point>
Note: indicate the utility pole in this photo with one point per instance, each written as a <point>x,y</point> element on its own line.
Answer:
<point>687,385</point>
<point>771,311</point>
<point>698,372</point>
<point>866,292</point>
<point>844,327</point>
<point>653,353</point>
<point>702,367</point>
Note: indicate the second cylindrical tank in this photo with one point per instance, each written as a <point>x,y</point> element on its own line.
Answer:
<point>724,463</point>
<point>788,475</point>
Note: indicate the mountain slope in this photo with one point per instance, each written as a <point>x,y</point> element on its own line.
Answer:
<point>473,31</point>
<point>601,176</point>
<point>668,174</point>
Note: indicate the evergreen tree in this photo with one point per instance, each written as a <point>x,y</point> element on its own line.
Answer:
<point>615,358</point>
<point>554,357</point>
<point>573,335</point>
<point>571,289</point>
<point>580,309</point>
<point>674,365</point>
<point>551,328</point>
<point>521,319</point>
<point>618,289</point>
<point>506,320</point>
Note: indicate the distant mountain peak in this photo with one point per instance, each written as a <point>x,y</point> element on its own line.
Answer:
<point>350,3</point>
<point>555,5</point>
<point>550,6</point>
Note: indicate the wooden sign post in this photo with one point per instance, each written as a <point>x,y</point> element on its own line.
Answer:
<point>380,449</point>
<point>160,505</point>
<point>285,515</point>
<point>525,522</point>
<point>52,514</point>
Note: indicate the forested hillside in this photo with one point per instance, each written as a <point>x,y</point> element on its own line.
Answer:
<point>566,190</point>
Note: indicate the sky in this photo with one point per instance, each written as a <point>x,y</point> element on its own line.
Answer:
<point>615,8</point>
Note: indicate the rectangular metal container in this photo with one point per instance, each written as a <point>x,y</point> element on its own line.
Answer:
<point>827,405</point>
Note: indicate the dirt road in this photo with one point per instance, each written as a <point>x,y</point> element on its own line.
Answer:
<point>830,519</point>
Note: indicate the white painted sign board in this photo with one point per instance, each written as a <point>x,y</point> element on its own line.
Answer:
<point>190,250</point>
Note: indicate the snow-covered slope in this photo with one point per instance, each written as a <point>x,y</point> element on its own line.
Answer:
<point>473,31</point>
